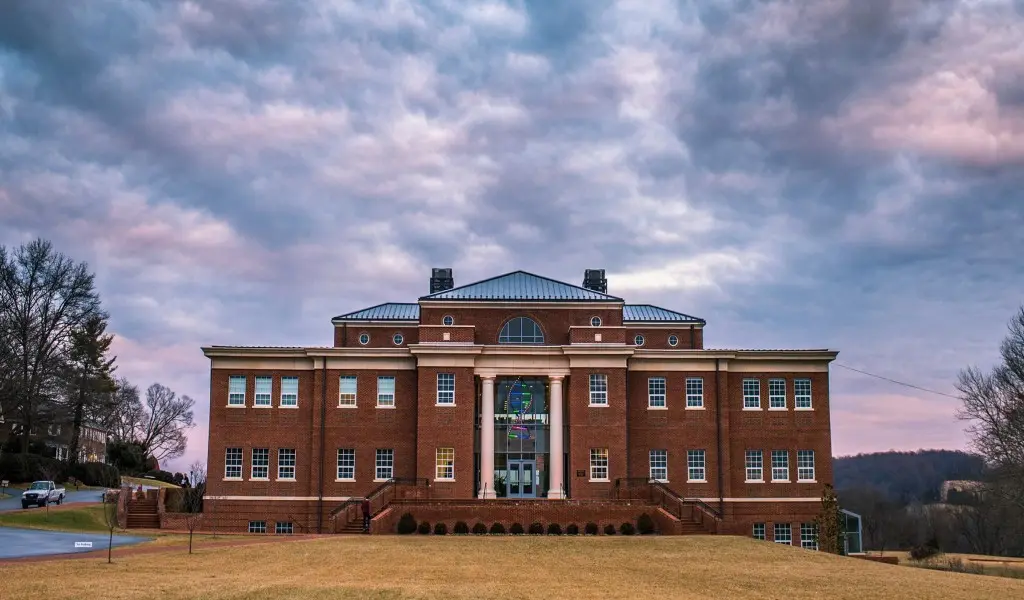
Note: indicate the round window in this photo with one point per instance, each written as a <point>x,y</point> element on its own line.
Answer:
<point>673,340</point>
<point>398,339</point>
<point>595,322</point>
<point>448,320</point>
<point>639,340</point>
<point>364,338</point>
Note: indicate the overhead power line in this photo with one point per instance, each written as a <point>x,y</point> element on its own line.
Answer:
<point>909,385</point>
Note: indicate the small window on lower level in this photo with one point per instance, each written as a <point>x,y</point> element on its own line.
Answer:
<point>758,531</point>
<point>783,534</point>
<point>257,526</point>
<point>283,528</point>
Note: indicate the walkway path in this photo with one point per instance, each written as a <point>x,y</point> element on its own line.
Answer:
<point>22,543</point>
<point>72,497</point>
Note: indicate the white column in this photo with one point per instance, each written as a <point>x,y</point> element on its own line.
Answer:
<point>556,489</point>
<point>487,439</point>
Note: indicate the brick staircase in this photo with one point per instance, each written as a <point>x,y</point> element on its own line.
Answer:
<point>142,513</point>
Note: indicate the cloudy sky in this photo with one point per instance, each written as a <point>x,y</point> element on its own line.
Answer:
<point>837,173</point>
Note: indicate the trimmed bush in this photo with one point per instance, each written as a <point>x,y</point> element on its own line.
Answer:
<point>461,527</point>
<point>20,468</point>
<point>479,529</point>
<point>440,529</point>
<point>424,528</point>
<point>609,529</point>
<point>645,524</point>
<point>590,528</point>
<point>536,529</point>
<point>160,475</point>
<point>572,529</point>
<point>406,524</point>
<point>516,529</point>
<point>924,552</point>
<point>98,474</point>
<point>627,528</point>
<point>554,529</point>
<point>498,529</point>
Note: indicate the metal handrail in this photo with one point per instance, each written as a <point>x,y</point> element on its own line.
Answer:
<point>378,491</point>
<point>667,492</point>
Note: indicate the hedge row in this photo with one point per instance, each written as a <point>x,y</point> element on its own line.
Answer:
<point>21,468</point>
<point>407,524</point>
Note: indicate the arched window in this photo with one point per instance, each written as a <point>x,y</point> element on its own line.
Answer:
<point>521,330</point>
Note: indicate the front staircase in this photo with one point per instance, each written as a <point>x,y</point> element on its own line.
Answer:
<point>142,512</point>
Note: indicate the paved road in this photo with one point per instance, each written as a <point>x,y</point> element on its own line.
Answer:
<point>14,503</point>
<point>18,543</point>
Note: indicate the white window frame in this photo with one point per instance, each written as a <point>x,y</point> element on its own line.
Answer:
<point>595,321</point>
<point>234,460</point>
<point>754,466</point>
<point>673,340</point>
<point>599,464</point>
<point>346,464</point>
<point>384,398</point>
<point>364,338</point>
<point>289,392</point>
<point>260,468</point>
<point>257,526</point>
<point>696,466</point>
<point>780,466</point>
<point>263,397</point>
<point>448,320</point>
<point>657,391</point>
<point>694,393</point>
<point>236,397</point>
<point>802,394</point>
<point>776,394</point>
<point>783,534</point>
<point>384,464</point>
<point>759,531</point>
<point>284,528</point>
<point>444,464</point>
<point>805,466</point>
<point>398,339</point>
<point>446,389</point>
<point>287,459</point>
<point>638,340</point>
<point>348,399</point>
<point>598,389</point>
<point>751,401</point>
<point>808,536</point>
<point>658,464</point>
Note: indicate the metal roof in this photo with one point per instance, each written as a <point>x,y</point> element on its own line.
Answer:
<point>389,311</point>
<point>522,286</point>
<point>647,313</point>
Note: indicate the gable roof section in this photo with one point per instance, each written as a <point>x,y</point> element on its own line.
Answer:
<point>646,313</point>
<point>389,311</point>
<point>520,286</point>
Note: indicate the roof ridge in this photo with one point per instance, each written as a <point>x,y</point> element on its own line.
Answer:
<point>375,306</point>
<point>518,271</point>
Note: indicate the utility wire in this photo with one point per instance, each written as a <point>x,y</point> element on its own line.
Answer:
<point>898,382</point>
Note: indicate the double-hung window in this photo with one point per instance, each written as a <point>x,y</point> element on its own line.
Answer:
<point>236,390</point>
<point>385,465</point>
<point>776,394</point>
<point>599,464</point>
<point>809,536</point>
<point>386,390</point>
<point>232,463</point>
<point>286,463</point>
<point>289,391</point>
<point>805,465</point>
<point>263,386</point>
<point>695,466</point>
<point>446,388</point>
<point>783,534</point>
<point>656,392</point>
<point>260,463</point>
<point>780,465</point>
<point>755,465</point>
<point>347,464</point>
<point>694,392</point>
<point>659,465</point>
<point>751,393</point>
<point>802,394</point>
<point>444,468</point>
<point>598,389</point>
<point>347,391</point>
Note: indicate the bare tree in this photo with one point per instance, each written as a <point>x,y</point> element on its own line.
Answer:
<point>110,507</point>
<point>44,296</point>
<point>194,498</point>
<point>165,419</point>
<point>126,411</point>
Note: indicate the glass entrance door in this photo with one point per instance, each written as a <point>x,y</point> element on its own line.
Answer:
<point>522,479</point>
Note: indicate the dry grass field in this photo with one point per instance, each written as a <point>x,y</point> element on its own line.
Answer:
<point>391,567</point>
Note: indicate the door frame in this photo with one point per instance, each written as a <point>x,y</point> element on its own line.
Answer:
<point>519,465</point>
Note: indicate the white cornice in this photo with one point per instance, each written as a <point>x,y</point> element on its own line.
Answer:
<point>518,305</point>
<point>373,323</point>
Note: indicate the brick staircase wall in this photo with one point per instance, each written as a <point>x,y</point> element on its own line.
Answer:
<point>142,511</point>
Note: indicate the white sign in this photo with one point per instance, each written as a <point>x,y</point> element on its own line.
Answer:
<point>5,483</point>
<point>83,544</point>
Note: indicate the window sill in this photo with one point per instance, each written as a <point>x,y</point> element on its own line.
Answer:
<point>807,481</point>
<point>752,408</point>
<point>659,481</point>
<point>804,409</point>
<point>597,406</point>
<point>236,406</point>
<point>232,479</point>
<point>778,408</point>
<point>344,481</point>
<point>285,479</point>
<point>753,481</point>
<point>696,481</point>
<point>289,406</point>
<point>347,406</point>
<point>262,406</point>
<point>605,480</point>
<point>444,479</point>
<point>380,480</point>
<point>694,408</point>
<point>451,404</point>
<point>386,406</point>
<point>781,481</point>
<point>649,407</point>
<point>259,479</point>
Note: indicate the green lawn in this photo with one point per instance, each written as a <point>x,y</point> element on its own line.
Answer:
<point>135,481</point>
<point>88,518</point>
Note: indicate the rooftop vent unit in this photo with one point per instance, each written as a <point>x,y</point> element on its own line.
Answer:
<point>593,279</point>
<point>441,280</point>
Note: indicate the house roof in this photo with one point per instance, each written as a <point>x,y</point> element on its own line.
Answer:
<point>522,287</point>
<point>389,311</point>
<point>646,313</point>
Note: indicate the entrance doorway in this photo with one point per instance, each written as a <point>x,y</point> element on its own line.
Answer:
<point>522,479</point>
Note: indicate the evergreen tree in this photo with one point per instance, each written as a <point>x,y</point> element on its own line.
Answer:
<point>830,523</point>
<point>89,377</point>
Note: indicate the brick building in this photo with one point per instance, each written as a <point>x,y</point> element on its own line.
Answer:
<point>520,393</point>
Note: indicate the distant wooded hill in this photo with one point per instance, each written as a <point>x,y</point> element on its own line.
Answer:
<point>905,477</point>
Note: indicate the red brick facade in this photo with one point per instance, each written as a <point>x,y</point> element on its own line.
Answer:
<point>699,427</point>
